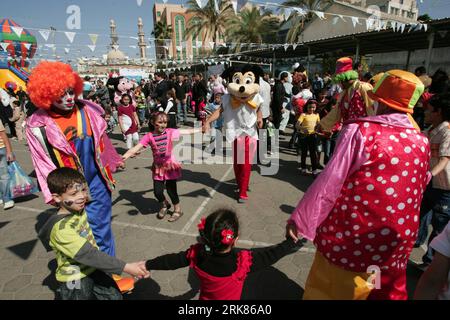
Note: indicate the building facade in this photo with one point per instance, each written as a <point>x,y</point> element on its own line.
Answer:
<point>180,46</point>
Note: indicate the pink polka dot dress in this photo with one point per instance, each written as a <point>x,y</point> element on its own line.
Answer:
<point>376,216</point>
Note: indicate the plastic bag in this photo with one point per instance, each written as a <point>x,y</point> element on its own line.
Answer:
<point>19,184</point>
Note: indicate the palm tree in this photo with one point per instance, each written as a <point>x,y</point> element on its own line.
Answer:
<point>209,23</point>
<point>298,21</point>
<point>250,26</point>
<point>161,32</point>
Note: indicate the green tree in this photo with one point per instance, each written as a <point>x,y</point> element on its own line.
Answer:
<point>424,17</point>
<point>250,26</point>
<point>162,31</point>
<point>209,23</point>
<point>298,20</point>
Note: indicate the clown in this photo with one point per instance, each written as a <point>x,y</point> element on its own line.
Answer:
<point>67,132</point>
<point>241,115</point>
<point>353,102</point>
<point>362,212</point>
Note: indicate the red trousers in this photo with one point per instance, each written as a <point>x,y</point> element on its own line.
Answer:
<point>244,148</point>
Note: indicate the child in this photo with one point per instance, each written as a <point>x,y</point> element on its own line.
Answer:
<point>201,111</point>
<point>83,270</point>
<point>128,121</point>
<point>435,282</point>
<point>171,110</point>
<point>166,170</point>
<point>306,125</point>
<point>221,268</point>
<point>217,124</point>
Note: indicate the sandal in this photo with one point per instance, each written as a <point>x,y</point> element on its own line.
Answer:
<point>163,212</point>
<point>175,216</point>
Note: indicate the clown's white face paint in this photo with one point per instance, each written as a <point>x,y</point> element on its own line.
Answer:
<point>67,101</point>
<point>75,198</point>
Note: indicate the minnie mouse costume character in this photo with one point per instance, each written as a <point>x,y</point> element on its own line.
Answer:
<point>241,114</point>
<point>120,86</point>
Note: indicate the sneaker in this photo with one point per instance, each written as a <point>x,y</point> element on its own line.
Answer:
<point>125,285</point>
<point>8,204</point>
<point>241,200</point>
<point>303,171</point>
<point>316,172</point>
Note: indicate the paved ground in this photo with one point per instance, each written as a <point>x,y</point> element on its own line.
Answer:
<point>26,266</point>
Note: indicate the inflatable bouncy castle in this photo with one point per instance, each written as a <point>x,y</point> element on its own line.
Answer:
<point>15,54</point>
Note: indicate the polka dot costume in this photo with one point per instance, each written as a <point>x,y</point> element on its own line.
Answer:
<point>352,108</point>
<point>375,219</point>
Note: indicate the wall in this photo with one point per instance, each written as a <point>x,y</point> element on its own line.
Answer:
<point>440,58</point>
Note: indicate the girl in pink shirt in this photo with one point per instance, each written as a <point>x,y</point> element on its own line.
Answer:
<point>166,170</point>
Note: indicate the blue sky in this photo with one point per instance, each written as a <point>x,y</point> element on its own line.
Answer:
<point>95,17</point>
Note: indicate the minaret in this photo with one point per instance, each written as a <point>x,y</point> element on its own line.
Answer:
<point>142,45</point>
<point>114,37</point>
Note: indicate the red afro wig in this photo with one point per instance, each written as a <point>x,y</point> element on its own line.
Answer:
<point>48,82</point>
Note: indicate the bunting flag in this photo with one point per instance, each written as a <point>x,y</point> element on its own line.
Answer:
<point>286,46</point>
<point>93,38</point>
<point>216,6</point>
<point>45,34</point>
<point>287,13</point>
<point>17,30</point>
<point>70,35</point>
<point>394,26</point>
<point>115,47</point>
<point>335,20</point>
<point>50,45</point>
<point>300,11</point>
<point>320,14</point>
<point>134,38</point>
<point>139,3</point>
<point>342,17</point>
<point>27,45</point>
<point>202,3</point>
<point>294,46</point>
<point>4,45</point>
<point>355,21</point>
<point>92,47</point>
<point>237,4</point>
<point>402,27</point>
<point>262,9</point>
<point>66,50</point>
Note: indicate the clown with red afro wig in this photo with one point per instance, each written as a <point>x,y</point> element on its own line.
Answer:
<point>49,81</point>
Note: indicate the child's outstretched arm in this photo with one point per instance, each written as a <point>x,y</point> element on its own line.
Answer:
<point>213,117</point>
<point>132,152</point>
<point>190,131</point>
<point>264,257</point>
<point>170,261</point>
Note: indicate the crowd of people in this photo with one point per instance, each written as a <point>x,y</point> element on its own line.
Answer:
<point>364,124</point>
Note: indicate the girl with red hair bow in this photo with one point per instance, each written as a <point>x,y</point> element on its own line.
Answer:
<point>221,268</point>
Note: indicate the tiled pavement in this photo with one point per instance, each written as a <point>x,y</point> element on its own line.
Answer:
<point>26,267</point>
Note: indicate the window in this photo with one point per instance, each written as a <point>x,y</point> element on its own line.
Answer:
<point>401,1</point>
<point>158,14</point>
<point>195,38</point>
<point>180,36</point>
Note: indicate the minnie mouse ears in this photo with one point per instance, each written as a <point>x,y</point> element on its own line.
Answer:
<point>255,69</point>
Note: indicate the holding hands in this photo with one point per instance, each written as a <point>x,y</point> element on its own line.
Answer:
<point>137,269</point>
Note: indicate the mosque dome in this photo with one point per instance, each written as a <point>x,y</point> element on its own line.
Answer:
<point>115,56</point>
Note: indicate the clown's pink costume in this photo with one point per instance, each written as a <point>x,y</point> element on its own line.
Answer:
<point>362,212</point>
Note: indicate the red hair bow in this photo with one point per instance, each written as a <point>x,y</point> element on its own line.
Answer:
<point>201,225</point>
<point>227,236</point>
